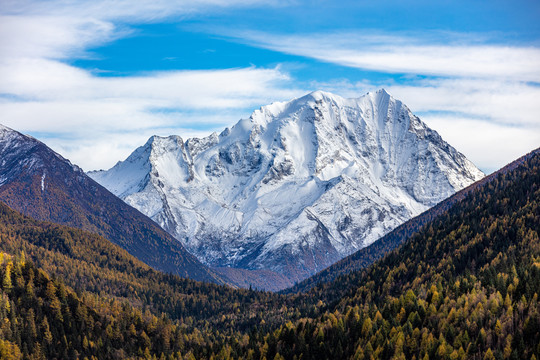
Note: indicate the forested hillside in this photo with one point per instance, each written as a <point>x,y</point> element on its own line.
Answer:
<point>43,319</point>
<point>90,263</point>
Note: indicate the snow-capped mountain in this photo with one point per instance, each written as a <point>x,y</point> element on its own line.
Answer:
<point>297,186</point>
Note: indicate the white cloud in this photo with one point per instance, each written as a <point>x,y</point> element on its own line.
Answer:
<point>125,10</point>
<point>53,36</point>
<point>410,55</point>
<point>489,145</point>
<point>42,80</point>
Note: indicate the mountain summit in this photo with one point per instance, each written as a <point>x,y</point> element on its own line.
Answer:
<point>297,186</point>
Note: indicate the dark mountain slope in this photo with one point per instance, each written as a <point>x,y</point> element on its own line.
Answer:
<point>367,256</point>
<point>40,183</point>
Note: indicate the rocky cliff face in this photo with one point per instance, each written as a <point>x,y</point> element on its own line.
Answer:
<point>297,186</point>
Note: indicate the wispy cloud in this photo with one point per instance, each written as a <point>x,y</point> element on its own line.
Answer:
<point>44,80</point>
<point>466,57</point>
<point>53,36</point>
<point>125,10</point>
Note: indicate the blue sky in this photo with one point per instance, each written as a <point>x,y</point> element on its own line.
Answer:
<point>95,79</point>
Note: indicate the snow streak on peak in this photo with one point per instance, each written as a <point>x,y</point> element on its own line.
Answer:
<point>8,133</point>
<point>295,187</point>
<point>4,128</point>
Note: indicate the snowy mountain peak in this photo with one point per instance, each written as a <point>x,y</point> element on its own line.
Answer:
<point>4,128</point>
<point>296,186</point>
<point>7,133</point>
<point>382,92</point>
<point>159,141</point>
<point>20,154</point>
<point>376,104</point>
